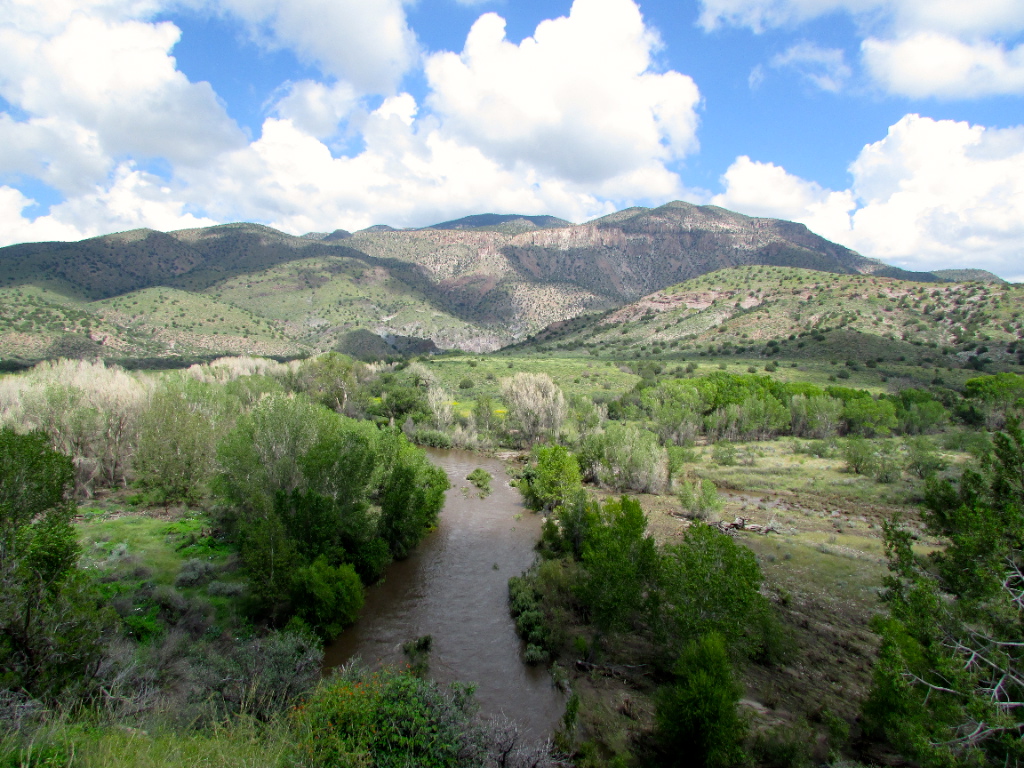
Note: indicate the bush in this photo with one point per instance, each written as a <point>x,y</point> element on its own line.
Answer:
<point>923,459</point>
<point>888,466</point>
<point>225,589</point>
<point>194,572</point>
<point>696,719</point>
<point>481,478</point>
<point>700,499</point>
<point>724,454</point>
<point>553,479</point>
<point>390,719</point>
<point>859,455</point>
<point>432,438</point>
<point>328,598</point>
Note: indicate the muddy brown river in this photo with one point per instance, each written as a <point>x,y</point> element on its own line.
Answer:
<point>454,588</point>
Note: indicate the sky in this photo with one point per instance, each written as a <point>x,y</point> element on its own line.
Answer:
<point>894,127</point>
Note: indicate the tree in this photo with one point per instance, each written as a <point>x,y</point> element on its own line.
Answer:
<point>553,478</point>
<point>949,680</point>
<point>620,564</point>
<point>868,417</point>
<point>696,718</point>
<point>711,584</point>
<point>534,404</point>
<point>626,457</point>
<point>178,440</point>
<point>50,626</point>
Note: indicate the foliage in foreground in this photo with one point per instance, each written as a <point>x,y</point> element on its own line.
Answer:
<point>949,681</point>
<point>51,626</point>
<point>391,718</point>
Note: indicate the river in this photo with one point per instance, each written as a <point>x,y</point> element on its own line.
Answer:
<point>454,587</point>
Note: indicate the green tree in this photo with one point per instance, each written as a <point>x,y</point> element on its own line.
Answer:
<point>709,583</point>
<point>50,626</point>
<point>178,440</point>
<point>552,479</point>
<point>620,563</point>
<point>868,417</point>
<point>949,680</point>
<point>327,597</point>
<point>696,718</point>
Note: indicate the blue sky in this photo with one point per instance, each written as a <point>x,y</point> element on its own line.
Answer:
<point>895,127</point>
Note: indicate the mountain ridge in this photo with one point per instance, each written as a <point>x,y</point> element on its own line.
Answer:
<point>478,283</point>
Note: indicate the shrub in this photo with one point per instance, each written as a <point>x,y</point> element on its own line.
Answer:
<point>724,454</point>
<point>481,478</point>
<point>700,499</point>
<point>923,459</point>
<point>888,466</point>
<point>194,572</point>
<point>553,479</point>
<point>327,598</point>
<point>859,455</point>
<point>432,438</point>
<point>696,719</point>
<point>387,719</point>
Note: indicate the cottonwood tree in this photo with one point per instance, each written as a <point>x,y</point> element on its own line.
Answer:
<point>535,405</point>
<point>949,681</point>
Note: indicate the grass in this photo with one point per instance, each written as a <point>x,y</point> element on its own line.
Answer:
<point>239,743</point>
<point>131,551</point>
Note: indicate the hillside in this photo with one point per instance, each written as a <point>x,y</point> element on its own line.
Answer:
<point>804,313</point>
<point>477,283</point>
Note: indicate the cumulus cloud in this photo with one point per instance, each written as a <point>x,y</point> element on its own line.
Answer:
<point>317,108</point>
<point>932,64</point>
<point>931,194</point>
<point>577,121</point>
<point>118,85</point>
<point>825,68</point>
<point>579,99</point>
<point>984,17</point>
<point>765,189</point>
<point>916,48</point>
<point>132,200</point>
<point>409,173</point>
<point>369,44</point>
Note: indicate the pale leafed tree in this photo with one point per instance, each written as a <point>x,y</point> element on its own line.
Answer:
<point>89,410</point>
<point>535,404</point>
<point>440,402</point>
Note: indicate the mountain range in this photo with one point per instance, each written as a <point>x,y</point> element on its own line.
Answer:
<point>477,283</point>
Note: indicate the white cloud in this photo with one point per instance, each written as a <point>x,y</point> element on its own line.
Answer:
<point>982,17</point>
<point>932,64</point>
<point>931,194</point>
<point>316,108</point>
<point>825,68</point>
<point>118,85</point>
<point>578,100</point>
<point>765,189</point>
<point>408,175</point>
<point>916,48</point>
<point>94,90</point>
<point>134,199</point>
<point>369,44</point>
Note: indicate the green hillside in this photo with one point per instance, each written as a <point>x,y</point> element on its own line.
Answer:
<point>800,313</point>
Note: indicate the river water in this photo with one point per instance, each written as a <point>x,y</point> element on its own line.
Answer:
<point>454,587</point>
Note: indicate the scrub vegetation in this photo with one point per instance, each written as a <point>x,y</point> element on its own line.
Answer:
<point>773,535</point>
